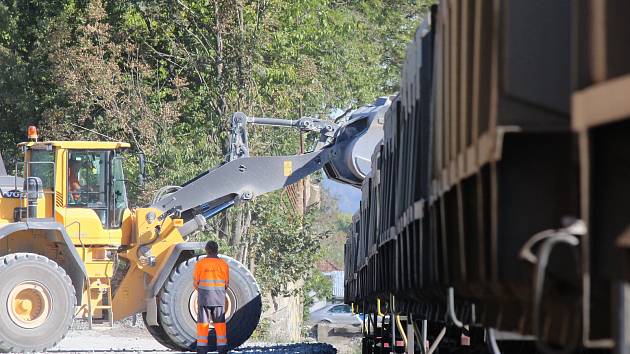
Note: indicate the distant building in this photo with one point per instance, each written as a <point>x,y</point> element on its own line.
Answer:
<point>326,266</point>
<point>335,274</point>
<point>337,282</point>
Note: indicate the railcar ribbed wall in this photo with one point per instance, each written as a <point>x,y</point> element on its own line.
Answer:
<point>485,146</point>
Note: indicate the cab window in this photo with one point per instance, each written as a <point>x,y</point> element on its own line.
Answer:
<point>119,192</point>
<point>41,165</point>
<point>87,181</point>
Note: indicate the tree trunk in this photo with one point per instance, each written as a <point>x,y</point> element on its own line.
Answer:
<point>221,105</point>
<point>285,315</point>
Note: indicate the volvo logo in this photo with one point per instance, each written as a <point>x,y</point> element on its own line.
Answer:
<point>12,194</point>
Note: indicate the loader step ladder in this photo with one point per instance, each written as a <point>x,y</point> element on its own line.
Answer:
<point>100,265</point>
<point>98,286</point>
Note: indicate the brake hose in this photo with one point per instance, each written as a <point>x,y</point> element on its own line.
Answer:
<point>401,330</point>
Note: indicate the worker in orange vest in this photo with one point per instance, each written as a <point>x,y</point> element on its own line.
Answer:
<point>211,278</point>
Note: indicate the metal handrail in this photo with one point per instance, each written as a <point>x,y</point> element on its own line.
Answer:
<point>87,278</point>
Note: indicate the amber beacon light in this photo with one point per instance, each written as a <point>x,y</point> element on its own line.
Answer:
<point>32,133</point>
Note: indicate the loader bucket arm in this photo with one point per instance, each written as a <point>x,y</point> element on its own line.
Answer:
<point>240,179</point>
<point>341,151</point>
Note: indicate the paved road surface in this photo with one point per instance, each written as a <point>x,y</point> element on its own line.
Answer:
<point>130,339</point>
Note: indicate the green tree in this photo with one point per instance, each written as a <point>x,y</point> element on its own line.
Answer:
<point>166,76</point>
<point>317,285</point>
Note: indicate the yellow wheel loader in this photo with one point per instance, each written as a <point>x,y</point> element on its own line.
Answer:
<point>66,228</point>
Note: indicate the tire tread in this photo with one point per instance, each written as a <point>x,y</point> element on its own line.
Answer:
<point>7,261</point>
<point>166,297</point>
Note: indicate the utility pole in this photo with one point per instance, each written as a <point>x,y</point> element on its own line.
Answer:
<point>303,181</point>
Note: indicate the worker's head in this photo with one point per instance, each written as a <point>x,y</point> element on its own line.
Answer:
<point>212,248</point>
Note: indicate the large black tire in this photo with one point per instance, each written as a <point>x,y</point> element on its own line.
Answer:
<point>180,326</point>
<point>157,332</point>
<point>21,270</point>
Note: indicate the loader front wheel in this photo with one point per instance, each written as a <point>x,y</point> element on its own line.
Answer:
<point>36,303</point>
<point>157,332</point>
<point>177,302</point>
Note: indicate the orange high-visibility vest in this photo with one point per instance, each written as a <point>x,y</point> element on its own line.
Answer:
<point>212,275</point>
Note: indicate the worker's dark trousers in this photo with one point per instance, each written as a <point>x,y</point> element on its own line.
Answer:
<point>217,314</point>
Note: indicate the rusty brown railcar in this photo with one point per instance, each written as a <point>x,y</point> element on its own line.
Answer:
<point>498,195</point>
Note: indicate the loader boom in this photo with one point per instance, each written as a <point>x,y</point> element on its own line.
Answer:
<point>243,177</point>
<point>238,180</point>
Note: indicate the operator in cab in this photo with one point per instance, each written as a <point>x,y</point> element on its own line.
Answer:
<point>74,183</point>
<point>211,278</point>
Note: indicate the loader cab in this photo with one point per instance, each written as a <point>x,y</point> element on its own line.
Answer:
<point>95,181</point>
<point>82,187</point>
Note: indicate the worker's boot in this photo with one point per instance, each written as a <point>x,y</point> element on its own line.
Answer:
<point>202,350</point>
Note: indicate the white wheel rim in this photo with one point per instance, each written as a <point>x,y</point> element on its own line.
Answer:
<point>29,304</point>
<point>230,304</point>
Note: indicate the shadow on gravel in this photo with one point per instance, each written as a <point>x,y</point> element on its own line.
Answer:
<point>310,348</point>
<point>305,348</point>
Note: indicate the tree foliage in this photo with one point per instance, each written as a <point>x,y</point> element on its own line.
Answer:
<point>166,75</point>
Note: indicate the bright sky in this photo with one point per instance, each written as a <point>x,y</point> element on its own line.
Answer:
<point>347,196</point>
